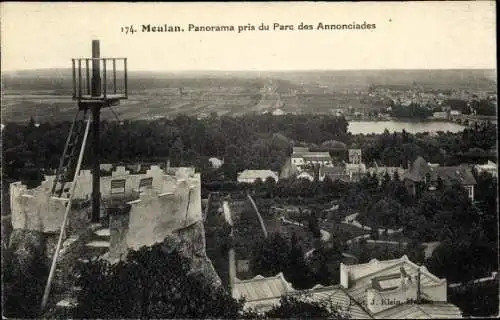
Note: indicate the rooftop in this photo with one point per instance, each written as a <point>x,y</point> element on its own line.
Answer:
<point>420,168</point>
<point>361,275</point>
<point>435,310</point>
<point>254,174</point>
<point>260,292</point>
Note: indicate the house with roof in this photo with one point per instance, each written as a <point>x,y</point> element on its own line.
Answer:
<point>490,167</point>
<point>397,289</point>
<point>302,157</point>
<point>355,171</point>
<point>354,156</point>
<point>388,289</point>
<point>278,112</point>
<point>250,176</point>
<point>380,172</point>
<point>306,174</point>
<point>215,162</point>
<point>263,293</point>
<point>423,175</point>
<point>441,115</point>
<point>334,173</point>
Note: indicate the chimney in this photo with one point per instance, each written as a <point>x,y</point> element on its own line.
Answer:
<point>232,270</point>
<point>403,283</point>
<point>419,294</point>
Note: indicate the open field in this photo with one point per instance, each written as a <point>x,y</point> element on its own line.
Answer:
<point>45,95</point>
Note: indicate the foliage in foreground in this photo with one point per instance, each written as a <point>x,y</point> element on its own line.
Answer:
<point>24,274</point>
<point>156,283</point>
<point>300,308</point>
<point>485,306</point>
<point>152,283</point>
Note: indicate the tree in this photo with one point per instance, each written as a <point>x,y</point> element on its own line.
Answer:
<point>313,225</point>
<point>395,176</point>
<point>386,180</point>
<point>297,307</point>
<point>270,256</point>
<point>440,184</point>
<point>152,283</point>
<point>297,271</point>
<point>24,275</point>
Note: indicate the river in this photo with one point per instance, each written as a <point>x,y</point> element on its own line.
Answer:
<point>369,127</point>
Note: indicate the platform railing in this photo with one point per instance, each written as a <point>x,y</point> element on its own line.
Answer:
<point>110,85</point>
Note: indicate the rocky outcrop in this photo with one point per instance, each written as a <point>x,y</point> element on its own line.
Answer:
<point>190,242</point>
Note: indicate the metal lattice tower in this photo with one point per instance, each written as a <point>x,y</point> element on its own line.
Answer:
<point>93,91</point>
<point>97,83</point>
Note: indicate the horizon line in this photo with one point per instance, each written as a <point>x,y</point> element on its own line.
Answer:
<point>274,70</point>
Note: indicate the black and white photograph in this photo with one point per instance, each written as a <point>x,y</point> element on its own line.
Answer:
<point>239,160</point>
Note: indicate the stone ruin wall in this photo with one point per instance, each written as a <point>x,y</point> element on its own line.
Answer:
<point>171,209</point>
<point>34,209</point>
<point>172,204</point>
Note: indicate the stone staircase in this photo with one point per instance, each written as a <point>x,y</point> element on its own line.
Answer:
<point>94,247</point>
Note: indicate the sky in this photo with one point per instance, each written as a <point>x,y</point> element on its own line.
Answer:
<point>408,35</point>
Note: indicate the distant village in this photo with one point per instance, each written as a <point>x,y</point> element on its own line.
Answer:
<point>318,166</point>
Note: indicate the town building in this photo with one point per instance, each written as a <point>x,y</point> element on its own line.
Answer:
<point>355,171</point>
<point>440,115</point>
<point>490,167</point>
<point>261,293</point>
<point>397,289</point>
<point>381,171</point>
<point>334,173</point>
<point>306,174</point>
<point>216,163</point>
<point>250,176</point>
<point>355,168</point>
<point>422,175</point>
<point>302,157</point>
<point>278,112</point>
<point>354,156</point>
<point>388,289</point>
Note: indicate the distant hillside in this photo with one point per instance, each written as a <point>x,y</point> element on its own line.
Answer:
<point>46,94</point>
<point>469,78</point>
<point>50,79</point>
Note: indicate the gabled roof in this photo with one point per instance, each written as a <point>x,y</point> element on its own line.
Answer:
<point>418,169</point>
<point>338,297</point>
<point>361,275</point>
<point>254,174</point>
<point>441,310</point>
<point>297,150</point>
<point>356,167</point>
<point>463,174</point>
<point>334,170</point>
<point>260,287</point>
<point>308,172</point>
<point>262,292</point>
<point>314,155</point>
<point>380,171</point>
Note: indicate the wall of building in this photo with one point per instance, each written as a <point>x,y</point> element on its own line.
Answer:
<point>381,300</point>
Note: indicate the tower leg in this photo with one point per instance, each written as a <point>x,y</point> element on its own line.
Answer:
<point>96,180</point>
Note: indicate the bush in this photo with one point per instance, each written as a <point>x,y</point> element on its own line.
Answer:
<point>296,307</point>
<point>152,283</point>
